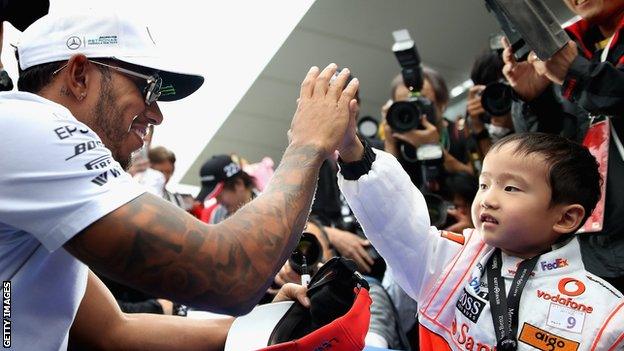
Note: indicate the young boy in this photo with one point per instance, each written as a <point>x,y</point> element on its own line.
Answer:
<point>516,281</point>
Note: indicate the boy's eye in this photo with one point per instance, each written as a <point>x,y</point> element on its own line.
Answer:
<point>511,188</point>
<point>482,186</point>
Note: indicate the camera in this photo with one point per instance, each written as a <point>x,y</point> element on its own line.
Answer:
<point>438,208</point>
<point>405,115</point>
<point>496,99</point>
<point>308,250</point>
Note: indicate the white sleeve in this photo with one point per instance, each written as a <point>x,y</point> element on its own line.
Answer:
<point>56,176</point>
<point>394,216</point>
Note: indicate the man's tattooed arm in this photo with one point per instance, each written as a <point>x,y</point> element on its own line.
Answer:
<point>153,246</point>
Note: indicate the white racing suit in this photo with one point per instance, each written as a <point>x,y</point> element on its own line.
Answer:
<point>562,307</point>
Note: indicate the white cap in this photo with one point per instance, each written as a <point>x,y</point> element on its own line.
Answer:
<point>95,35</point>
<point>253,331</point>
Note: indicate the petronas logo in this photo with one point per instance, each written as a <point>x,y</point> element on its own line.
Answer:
<point>167,90</point>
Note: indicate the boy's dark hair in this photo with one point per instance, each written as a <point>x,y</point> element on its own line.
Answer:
<point>248,180</point>
<point>573,171</point>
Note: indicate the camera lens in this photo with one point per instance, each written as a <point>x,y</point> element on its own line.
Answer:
<point>403,116</point>
<point>496,99</point>
<point>368,126</point>
<point>437,208</point>
<point>308,246</point>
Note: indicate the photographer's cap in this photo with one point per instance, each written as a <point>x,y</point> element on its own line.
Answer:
<point>213,174</point>
<point>57,37</point>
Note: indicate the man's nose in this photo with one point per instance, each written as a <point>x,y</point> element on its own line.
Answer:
<point>153,114</point>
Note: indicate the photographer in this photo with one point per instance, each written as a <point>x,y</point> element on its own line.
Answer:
<point>571,94</point>
<point>485,127</point>
<point>452,139</point>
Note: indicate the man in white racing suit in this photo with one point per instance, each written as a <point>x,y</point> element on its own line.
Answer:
<point>535,191</point>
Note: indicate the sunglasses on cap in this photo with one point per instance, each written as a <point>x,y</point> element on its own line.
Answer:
<point>150,89</point>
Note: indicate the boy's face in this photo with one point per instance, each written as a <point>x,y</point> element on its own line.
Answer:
<point>512,207</point>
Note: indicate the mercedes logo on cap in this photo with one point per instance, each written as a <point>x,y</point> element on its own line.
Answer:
<point>73,43</point>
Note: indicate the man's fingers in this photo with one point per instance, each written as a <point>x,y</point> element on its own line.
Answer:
<point>336,87</point>
<point>321,85</point>
<point>279,281</point>
<point>307,86</point>
<point>293,292</point>
<point>353,109</point>
<point>348,93</point>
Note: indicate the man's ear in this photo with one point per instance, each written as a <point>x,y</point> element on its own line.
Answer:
<point>76,77</point>
<point>570,217</point>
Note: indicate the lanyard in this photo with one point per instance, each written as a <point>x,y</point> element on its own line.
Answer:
<point>505,308</point>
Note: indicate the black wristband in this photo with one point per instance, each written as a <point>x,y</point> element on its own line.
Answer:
<point>354,170</point>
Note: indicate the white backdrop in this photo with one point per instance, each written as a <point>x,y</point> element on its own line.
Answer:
<point>228,42</point>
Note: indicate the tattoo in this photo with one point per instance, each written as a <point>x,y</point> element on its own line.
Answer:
<point>64,91</point>
<point>160,249</point>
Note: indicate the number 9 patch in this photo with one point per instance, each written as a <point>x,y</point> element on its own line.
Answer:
<point>565,318</point>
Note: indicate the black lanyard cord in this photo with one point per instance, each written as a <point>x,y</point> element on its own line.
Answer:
<point>505,308</point>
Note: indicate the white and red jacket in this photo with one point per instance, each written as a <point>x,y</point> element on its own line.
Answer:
<point>562,307</point>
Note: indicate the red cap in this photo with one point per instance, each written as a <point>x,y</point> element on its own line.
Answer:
<point>346,333</point>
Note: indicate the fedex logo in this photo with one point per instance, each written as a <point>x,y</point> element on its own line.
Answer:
<point>554,264</point>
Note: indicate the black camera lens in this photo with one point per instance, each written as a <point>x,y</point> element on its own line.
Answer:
<point>308,247</point>
<point>403,116</point>
<point>437,208</point>
<point>496,99</point>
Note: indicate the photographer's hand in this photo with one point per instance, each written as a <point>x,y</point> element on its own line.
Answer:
<point>474,108</point>
<point>390,143</point>
<point>556,68</point>
<point>286,275</point>
<point>453,165</point>
<point>463,221</point>
<point>417,137</point>
<point>527,82</point>
<point>351,246</point>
